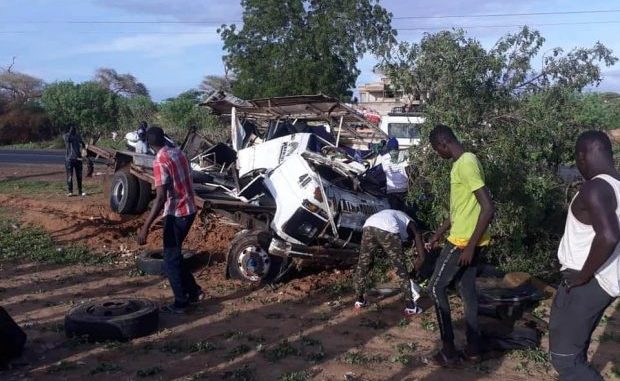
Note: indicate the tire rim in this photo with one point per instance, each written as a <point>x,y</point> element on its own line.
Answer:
<point>113,308</point>
<point>253,263</point>
<point>119,191</point>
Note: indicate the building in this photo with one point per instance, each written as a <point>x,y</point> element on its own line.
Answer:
<point>380,97</point>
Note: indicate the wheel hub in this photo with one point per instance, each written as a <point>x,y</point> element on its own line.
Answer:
<point>119,191</point>
<point>110,308</point>
<point>254,263</point>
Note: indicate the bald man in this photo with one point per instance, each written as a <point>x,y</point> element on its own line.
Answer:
<point>589,255</point>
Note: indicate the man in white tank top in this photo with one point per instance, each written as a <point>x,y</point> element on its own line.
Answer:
<point>590,257</point>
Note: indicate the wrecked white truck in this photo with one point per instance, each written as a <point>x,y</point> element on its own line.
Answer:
<point>295,178</point>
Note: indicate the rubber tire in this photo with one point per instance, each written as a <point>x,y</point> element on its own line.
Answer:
<point>151,262</point>
<point>79,323</point>
<point>247,238</point>
<point>127,203</point>
<point>144,197</point>
<point>12,338</point>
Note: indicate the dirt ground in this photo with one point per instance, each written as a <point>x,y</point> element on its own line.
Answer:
<point>304,329</point>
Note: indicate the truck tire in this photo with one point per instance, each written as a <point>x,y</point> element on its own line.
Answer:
<point>151,262</point>
<point>248,259</point>
<point>144,197</point>
<point>112,319</point>
<point>12,338</point>
<point>124,192</point>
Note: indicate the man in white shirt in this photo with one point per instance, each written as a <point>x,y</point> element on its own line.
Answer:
<point>590,257</point>
<point>387,230</point>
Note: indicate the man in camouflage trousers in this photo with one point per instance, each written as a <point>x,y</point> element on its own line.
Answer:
<point>387,230</point>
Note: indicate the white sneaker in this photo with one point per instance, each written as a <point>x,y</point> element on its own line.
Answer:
<point>69,194</point>
<point>413,311</point>
<point>83,194</point>
<point>415,290</point>
<point>361,304</point>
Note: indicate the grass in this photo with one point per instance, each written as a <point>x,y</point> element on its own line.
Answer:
<point>528,357</point>
<point>105,367</point>
<point>149,372</point>
<point>56,143</point>
<point>281,351</point>
<point>244,373</point>
<point>359,358</point>
<point>403,353</point>
<point>609,337</point>
<point>33,244</point>
<point>30,187</point>
<point>374,324</point>
<point>238,351</point>
<point>428,325</point>
<point>295,376</point>
<point>202,346</point>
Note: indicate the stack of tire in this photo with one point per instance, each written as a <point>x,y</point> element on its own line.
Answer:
<point>129,194</point>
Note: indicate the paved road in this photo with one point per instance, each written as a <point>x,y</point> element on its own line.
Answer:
<point>10,156</point>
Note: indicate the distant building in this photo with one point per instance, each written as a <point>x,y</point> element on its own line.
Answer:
<point>380,97</point>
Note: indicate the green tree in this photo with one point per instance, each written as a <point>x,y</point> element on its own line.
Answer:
<point>521,121</point>
<point>136,109</point>
<point>303,46</point>
<point>91,107</point>
<point>180,113</point>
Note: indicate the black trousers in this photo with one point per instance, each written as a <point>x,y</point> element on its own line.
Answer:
<point>181,279</point>
<point>447,270</point>
<point>71,166</point>
<point>574,316</point>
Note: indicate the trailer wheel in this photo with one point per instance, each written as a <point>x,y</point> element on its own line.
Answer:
<point>112,319</point>
<point>124,192</point>
<point>144,197</point>
<point>248,259</point>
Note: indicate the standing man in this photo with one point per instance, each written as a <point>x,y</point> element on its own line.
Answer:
<point>590,259</point>
<point>141,144</point>
<point>175,195</point>
<point>73,159</point>
<point>387,230</point>
<point>471,211</point>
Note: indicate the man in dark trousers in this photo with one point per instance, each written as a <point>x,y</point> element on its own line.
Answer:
<point>175,195</point>
<point>73,160</point>
<point>471,211</point>
<point>590,257</point>
<point>387,230</point>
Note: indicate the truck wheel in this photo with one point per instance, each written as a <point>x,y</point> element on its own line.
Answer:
<point>144,197</point>
<point>112,319</point>
<point>248,259</point>
<point>151,262</point>
<point>124,192</point>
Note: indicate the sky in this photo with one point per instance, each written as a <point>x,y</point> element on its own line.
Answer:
<point>170,45</point>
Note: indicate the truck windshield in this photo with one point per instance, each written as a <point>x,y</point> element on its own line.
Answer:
<point>403,130</point>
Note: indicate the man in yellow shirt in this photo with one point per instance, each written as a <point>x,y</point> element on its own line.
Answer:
<point>471,211</point>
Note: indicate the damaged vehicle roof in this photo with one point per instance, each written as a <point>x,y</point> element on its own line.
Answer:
<point>319,108</point>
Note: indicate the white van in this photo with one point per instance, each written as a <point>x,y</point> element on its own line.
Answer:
<point>404,126</point>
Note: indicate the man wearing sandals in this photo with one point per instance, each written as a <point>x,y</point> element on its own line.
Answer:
<point>175,195</point>
<point>471,211</point>
<point>590,257</point>
<point>387,230</point>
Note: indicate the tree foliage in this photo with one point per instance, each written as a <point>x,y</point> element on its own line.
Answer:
<point>521,119</point>
<point>16,87</point>
<point>92,108</point>
<point>122,84</point>
<point>180,113</point>
<point>303,46</point>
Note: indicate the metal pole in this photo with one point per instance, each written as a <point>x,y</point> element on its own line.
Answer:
<point>339,130</point>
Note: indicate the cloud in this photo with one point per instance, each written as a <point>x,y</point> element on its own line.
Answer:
<point>155,44</point>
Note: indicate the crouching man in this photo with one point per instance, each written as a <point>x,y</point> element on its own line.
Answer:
<point>175,195</point>
<point>387,230</point>
<point>590,259</point>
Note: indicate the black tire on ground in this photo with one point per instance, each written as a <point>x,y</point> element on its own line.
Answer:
<point>144,197</point>
<point>112,319</point>
<point>124,192</point>
<point>248,259</point>
<point>12,338</point>
<point>151,262</point>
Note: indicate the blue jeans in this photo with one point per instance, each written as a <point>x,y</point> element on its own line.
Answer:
<point>181,279</point>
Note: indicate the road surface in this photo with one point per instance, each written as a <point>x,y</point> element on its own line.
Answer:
<point>10,156</point>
